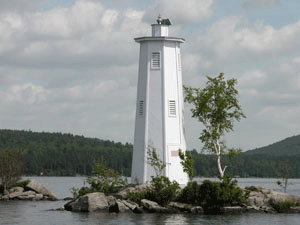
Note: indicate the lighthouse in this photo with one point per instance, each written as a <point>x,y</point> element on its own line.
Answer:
<point>159,105</point>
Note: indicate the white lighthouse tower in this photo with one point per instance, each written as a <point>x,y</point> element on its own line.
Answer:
<point>159,106</point>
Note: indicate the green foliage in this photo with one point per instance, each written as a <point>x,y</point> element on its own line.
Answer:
<point>22,183</point>
<point>216,106</point>
<point>282,206</point>
<point>137,196</point>
<point>213,196</point>
<point>11,166</point>
<point>57,154</point>
<point>75,192</point>
<point>162,191</point>
<point>107,181</point>
<point>187,163</point>
<point>190,194</point>
<point>154,161</point>
<point>285,173</point>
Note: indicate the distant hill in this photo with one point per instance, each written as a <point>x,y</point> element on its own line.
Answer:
<point>58,154</point>
<point>287,147</point>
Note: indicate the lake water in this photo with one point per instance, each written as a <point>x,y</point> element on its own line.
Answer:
<point>30,213</point>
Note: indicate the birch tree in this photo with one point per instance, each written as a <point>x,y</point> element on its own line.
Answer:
<point>216,106</point>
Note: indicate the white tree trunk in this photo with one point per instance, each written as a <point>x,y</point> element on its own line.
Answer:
<point>218,153</point>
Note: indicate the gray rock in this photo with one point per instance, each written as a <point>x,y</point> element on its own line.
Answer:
<point>131,205</point>
<point>39,188</point>
<point>123,194</point>
<point>260,197</point>
<point>29,193</point>
<point>5,198</point>
<point>122,207</point>
<point>153,207</point>
<point>89,203</point>
<point>111,200</point>
<point>16,189</point>
<point>38,197</point>
<point>69,205</point>
<point>181,207</point>
<point>25,197</point>
<point>14,195</point>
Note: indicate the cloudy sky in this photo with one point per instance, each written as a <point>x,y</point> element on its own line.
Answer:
<point>71,66</point>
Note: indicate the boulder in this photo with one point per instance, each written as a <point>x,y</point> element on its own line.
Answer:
<point>5,198</point>
<point>153,207</point>
<point>69,205</point>
<point>89,203</point>
<point>14,195</point>
<point>38,197</point>
<point>39,188</point>
<point>131,205</point>
<point>122,207</point>
<point>260,197</point>
<point>123,194</point>
<point>16,189</point>
<point>185,208</point>
<point>29,193</point>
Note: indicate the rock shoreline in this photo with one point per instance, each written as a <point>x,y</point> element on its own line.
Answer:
<point>259,202</point>
<point>34,191</point>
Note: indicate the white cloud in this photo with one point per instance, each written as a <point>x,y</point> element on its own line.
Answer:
<point>260,4</point>
<point>74,68</point>
<point>279,114</point>
<point>234,39</point>
<point>181,12</point>
<point>25,94</point>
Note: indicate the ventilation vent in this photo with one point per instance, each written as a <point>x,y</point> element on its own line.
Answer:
<point>155,61</point>
<point>141,108</point>
<point>172,108</point>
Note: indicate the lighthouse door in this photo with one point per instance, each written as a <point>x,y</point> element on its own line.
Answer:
<point>174,170</point>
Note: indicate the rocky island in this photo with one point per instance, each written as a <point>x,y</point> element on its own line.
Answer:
<point>33,191</point>
<point>260,199</point>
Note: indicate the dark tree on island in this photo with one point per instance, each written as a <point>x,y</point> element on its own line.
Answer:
<point>11,166</point>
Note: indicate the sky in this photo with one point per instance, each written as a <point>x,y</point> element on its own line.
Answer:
<point>71,66</point>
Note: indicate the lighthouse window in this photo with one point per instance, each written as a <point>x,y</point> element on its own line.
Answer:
<point>155,61</point>
<point>172,108</point>
<point>141,108</point>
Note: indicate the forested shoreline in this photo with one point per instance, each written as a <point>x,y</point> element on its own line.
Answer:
<point>57,154</point>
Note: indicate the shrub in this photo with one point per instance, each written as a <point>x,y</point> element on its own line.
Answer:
<point>190,194</point>
<point>282,206</point>
<point>106,181</point>
<point>22,183</point>
<point>162,191</point>
<point>213,196</point>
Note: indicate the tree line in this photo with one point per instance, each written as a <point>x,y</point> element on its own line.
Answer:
<point>57,154</point>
